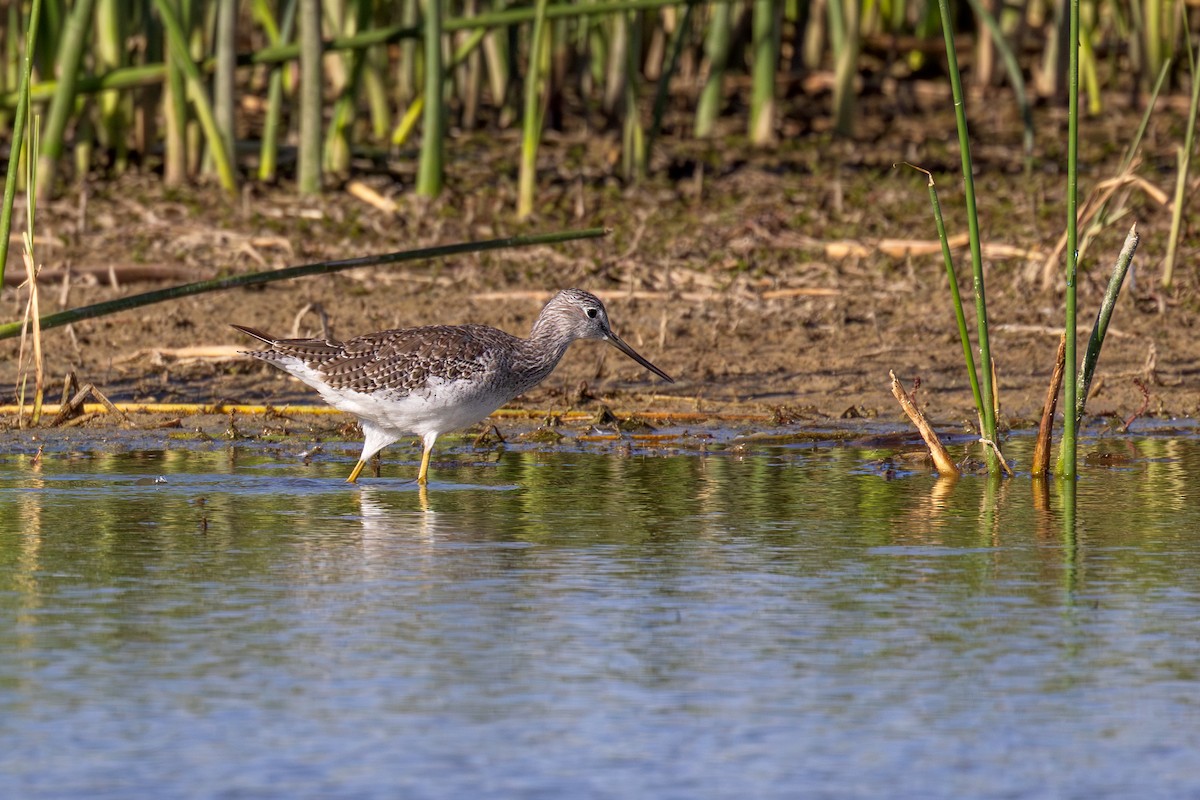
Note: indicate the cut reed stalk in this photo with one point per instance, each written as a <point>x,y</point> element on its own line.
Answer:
<point>1040,462</point>
<point>941,458</point>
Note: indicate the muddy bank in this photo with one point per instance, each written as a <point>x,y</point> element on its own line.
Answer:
<point>765,282</point>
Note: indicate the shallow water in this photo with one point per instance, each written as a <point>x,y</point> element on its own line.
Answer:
<point>769,621</point>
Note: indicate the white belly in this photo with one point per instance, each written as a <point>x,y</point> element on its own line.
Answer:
<point>438,407</point>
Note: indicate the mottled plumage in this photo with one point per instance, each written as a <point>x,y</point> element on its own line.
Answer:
<point>438,378</point>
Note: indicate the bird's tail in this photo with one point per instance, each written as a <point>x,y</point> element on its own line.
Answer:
<point>257,334</point>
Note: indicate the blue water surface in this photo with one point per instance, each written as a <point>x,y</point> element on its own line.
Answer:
<point>215,621</point>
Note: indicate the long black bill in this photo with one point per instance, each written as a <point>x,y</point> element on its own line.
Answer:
<point>616,342</point>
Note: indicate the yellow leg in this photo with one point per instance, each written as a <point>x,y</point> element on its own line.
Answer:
<point>423,474</point>
<point>357,469</point>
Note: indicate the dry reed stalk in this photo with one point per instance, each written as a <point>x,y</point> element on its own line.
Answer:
<point>1041,451</point>
<point>77,403</point>
<point>361,191</point>
<point>32,313</point>
<point>941,459</point>
<point>1096,204</point>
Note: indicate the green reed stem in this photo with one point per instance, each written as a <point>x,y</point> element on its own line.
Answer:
<point>10,70</point>
<point>963,334</point>
<point>131,77</point>
<point>70,55</point>
<point>1012,68</point>
<point>18,135</point>
<point>224,89</point>
<point>634,157</point>
<point>268,162</point>
<point>1096,341</point>
<point>109,47</point>
<point>1068,452</point>
<point>847,15</point>
<point>311,49</point>
<point>1091,80</point>
<point>1184,161</point>
<point>406,67</point>
<point>664,79</point>
<point>11,329</point>
<point>375,86</point>
<point>1152,38</point>
<point>1100,218</point>
<point>531,124</point>
<point>716,50</point>
<point>175,111</point>
<point>417,106</point>
<point>337,137</point>
<point>431,169</point>
<point>766,33</point>
<point>1087,369</point>
<point>197,93</point>
<point>987,394</point>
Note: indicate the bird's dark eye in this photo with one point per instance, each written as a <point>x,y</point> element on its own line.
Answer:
<point>592,312</point>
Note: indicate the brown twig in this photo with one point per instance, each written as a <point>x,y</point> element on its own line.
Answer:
<point>999,456</point>
<point>75,405</point>
<point>1141,409</point>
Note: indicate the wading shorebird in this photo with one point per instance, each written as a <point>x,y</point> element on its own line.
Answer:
<point>438,378</point>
